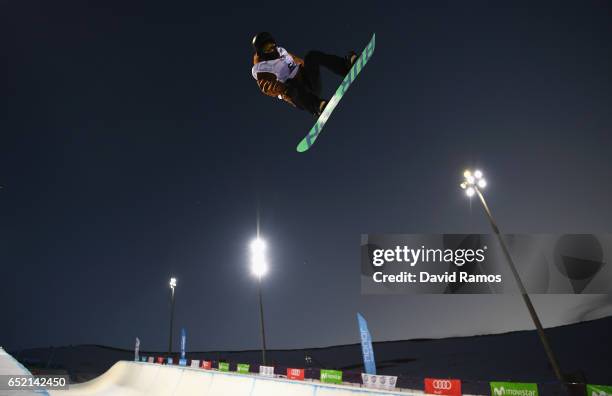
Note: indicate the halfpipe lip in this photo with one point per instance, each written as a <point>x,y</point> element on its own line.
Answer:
<point>314,383</point>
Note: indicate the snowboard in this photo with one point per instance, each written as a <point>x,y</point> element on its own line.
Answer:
<point>314,132</point>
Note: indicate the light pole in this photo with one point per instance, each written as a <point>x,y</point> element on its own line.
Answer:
<point>259,267</point>
<point>473,184</point>
<point>172,286</point>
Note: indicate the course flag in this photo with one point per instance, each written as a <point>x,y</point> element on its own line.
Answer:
<point>366,346</point>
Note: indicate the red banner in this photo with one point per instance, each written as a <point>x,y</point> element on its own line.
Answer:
<point>295,374</point>
<point>160,360</point>
<point>443,386</point>
<point>206,364</point>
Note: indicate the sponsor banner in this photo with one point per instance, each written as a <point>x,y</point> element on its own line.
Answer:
<point>267,371</point>
<point>150,359</point>
<point>598,390</point>
<point>366,346</point>
<point>476,264</point>
<point>206,364</point>
<point>195,363</point>
<point>379,381</point>
<point>143,358</point>
<point>160,360</point>
<point>443,386</point>
<point>331,376</point>
<point>169,361</point>
<point>243,368</point>
<point>295,374</point>
<point>223,366</point>
<point>513,389</point>
<point>182,362</point>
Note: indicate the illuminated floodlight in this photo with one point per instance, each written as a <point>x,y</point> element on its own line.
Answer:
<point>259,265</point>
<point>258,245</point>
<point>473,182</point>
<point>172,283</point>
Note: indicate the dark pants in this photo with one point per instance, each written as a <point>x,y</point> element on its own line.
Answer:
<point>305,93</point>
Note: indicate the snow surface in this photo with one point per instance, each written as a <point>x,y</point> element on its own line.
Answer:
<point>10,366</point>
<point>137,378</point>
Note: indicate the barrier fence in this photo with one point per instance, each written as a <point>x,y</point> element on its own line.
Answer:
<point>439,386</point>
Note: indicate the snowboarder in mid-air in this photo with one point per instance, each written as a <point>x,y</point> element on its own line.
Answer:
<point>295,80</point>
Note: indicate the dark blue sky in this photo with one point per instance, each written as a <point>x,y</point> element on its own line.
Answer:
<point>134,144</point>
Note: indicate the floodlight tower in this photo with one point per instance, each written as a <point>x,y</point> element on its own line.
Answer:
<point>259,267</point>
<point>473,184</point>
<point>172,286</point>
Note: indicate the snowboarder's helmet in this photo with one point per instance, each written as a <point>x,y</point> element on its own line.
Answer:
<point>261,39</point>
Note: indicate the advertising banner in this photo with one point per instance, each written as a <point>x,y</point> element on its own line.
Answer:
<point>513,389</point>
<point>267,371</point>
<point>243,368</point>
<point>598,390</point>
<point>150,359</point>
<point>366,346</point>
<point>443,386</point>
<point>372,381</point>
<point>223,366</point>
<point>206,364</point>
<point>182,362</point>
<point>295,374</point>
<point>160,360</point>
<point>183,343</point>
<point>195,363</point>
<point>143,358</point>
<point>331,376</point>
<point>170,361</point>
<point>136,349</point>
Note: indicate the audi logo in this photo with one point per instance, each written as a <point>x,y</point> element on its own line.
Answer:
<point>442,384</point>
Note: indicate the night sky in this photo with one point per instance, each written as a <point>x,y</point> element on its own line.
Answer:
<point>135,145</point>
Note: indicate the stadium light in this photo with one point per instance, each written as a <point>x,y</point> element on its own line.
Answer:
<point>259,265</point>
<point>473,184</point>
<point>472,181</point>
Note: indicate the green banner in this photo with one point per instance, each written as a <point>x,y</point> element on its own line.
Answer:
<point>331,376</point>
<point>513,389</point>
<point>243,368</point>
<point>599,390</point>
<point>223,366</point>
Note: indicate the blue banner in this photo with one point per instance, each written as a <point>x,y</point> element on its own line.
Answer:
<point>366,346</point>
<point>137,349</point>
<point>183,342</point>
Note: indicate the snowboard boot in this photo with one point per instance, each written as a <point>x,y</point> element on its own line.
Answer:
<point>350,60</point>
<point>322,106</point>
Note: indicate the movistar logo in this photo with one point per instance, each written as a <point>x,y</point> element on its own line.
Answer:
<point>501,391</point>
<point>326,375</point>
